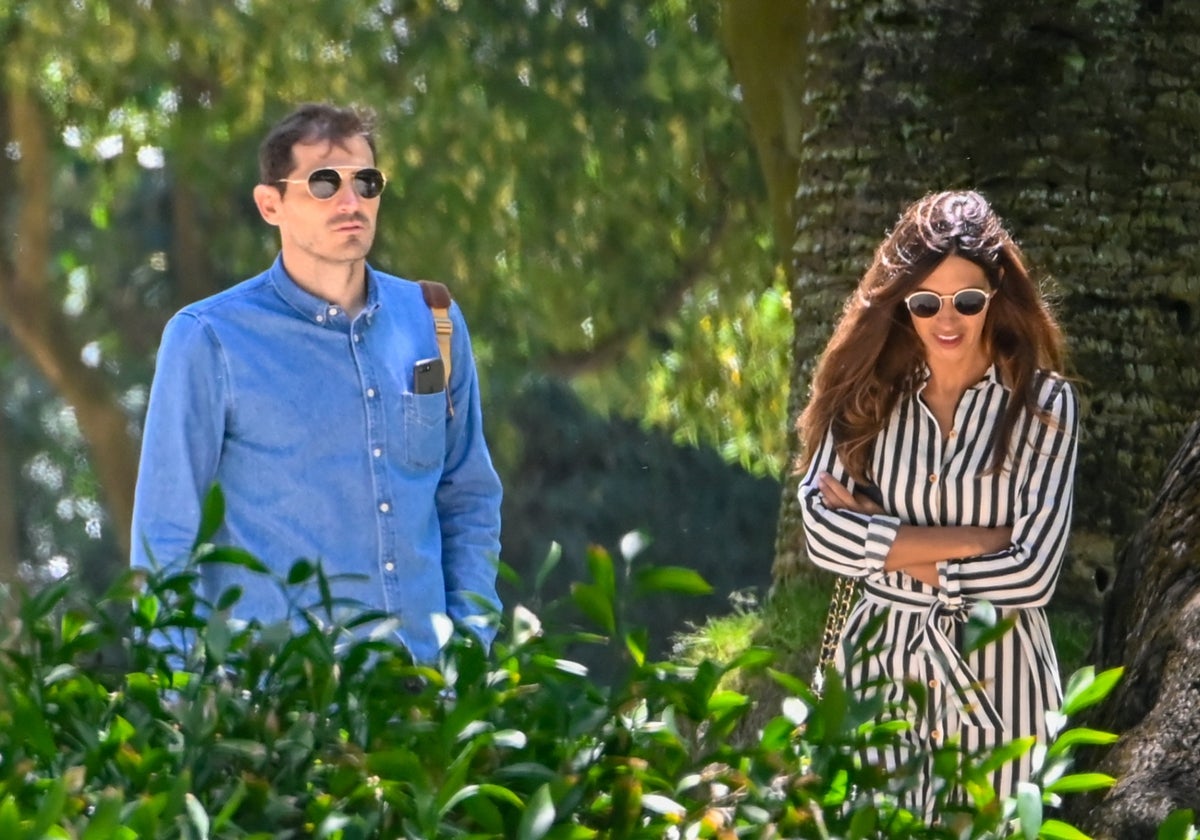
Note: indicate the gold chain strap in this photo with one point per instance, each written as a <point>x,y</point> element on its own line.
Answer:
<point>845,593</point>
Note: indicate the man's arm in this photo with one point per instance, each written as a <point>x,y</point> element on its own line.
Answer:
<point>468,497</point>
<point>181,443</point>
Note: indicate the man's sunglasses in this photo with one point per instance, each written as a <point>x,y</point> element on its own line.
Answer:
<point>324,183</point>
<point>966,301</point>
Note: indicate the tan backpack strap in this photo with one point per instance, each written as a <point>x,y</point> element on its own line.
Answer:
<point>437,298</point>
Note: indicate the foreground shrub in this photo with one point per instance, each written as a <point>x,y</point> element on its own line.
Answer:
<point>326,729</point>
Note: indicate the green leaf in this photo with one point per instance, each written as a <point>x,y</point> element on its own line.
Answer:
<point>212,514</point>
<point>217,638</point>
<point>721,701</point>
<point>197,815</point>
<point>752,658</point>
<point>232,556</point>
<point>864,823</point>
<point>538,817</point>
<point>600,565</point>
<point>1086,688</point>
<point>660,804</point>
<point>636,643</point>
<point>10,817</point>
<point>1082,735</point>
<point>228,598</point>
<point>1057,830</point>
<point>790,682</point>
<point>42,602</point>
<point>1080,782</point>
<point>1005,753</point>
<point>1029,809</point>
<point>837,790</point>
<point>653,579</point>
<point>982,628</point>
<point>104,823</point>
<point>232,802</point>
<point>595,604</point>
<point>302,570</point>
<point>74,624</point>
<point>50,809</point>
<point>1177,826</point>
<point>120,731</point>
<point>549,563</point>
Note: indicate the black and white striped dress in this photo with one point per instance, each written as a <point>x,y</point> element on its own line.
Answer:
<point>1002,691</point>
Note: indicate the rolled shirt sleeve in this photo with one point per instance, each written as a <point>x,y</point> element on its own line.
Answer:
<point>1025,574</point>
<point>842,541</point>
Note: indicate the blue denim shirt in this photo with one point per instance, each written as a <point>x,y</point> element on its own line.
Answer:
<point>308,421</point>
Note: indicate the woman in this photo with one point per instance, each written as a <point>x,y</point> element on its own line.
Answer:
<point>939,455</point>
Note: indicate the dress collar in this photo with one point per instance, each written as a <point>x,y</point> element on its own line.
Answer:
<point>991,376</point>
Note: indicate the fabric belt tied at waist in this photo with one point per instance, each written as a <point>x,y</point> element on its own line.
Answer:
<point>977,706</point>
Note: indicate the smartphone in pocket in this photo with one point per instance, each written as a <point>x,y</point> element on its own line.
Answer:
<point>429,376</point>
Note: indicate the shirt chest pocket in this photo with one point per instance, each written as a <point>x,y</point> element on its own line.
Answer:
<point>424,430</point>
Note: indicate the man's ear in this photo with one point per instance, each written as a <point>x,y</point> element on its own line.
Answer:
<point>267,199</point>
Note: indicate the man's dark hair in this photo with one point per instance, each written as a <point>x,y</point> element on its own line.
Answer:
<point>310,123</point>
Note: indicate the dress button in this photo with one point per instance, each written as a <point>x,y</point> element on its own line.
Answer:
<point>389,566</point>
<point>385,507</point>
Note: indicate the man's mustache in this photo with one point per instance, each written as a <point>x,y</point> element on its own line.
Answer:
<point>361,218</point>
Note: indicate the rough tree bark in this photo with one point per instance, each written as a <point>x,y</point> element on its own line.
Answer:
<point>1151,626</point>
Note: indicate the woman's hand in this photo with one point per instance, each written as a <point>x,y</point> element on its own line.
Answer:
<point>837,497</point>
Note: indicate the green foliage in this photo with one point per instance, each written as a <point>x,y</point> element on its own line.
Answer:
<point>319,729</point>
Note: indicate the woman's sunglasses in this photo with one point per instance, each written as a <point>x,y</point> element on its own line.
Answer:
<point>966,301</point>
<point>324,183</point>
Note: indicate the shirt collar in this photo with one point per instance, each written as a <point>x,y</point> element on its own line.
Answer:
<point>308,305</point>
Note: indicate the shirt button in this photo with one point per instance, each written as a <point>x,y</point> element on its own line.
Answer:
<point>932,479</point>
<point>389,566</point>
<point>933,683</point>
<point>358,337</point>
<point>385,507</point>
<point>332,311</point>
<point>936,734</point>
<point>954,433</point>
<point>370,392</point>
<point>320,319</point>
<point>376,451</point>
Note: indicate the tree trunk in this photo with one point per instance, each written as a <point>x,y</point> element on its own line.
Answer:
<point>37,324</point>
<point>1153,629</point>
<point>9,560</point>
<point>765,43</point>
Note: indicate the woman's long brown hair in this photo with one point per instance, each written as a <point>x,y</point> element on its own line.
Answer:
<point>875,358</point>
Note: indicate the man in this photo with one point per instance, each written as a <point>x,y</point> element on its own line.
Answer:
<point>294,391</point>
